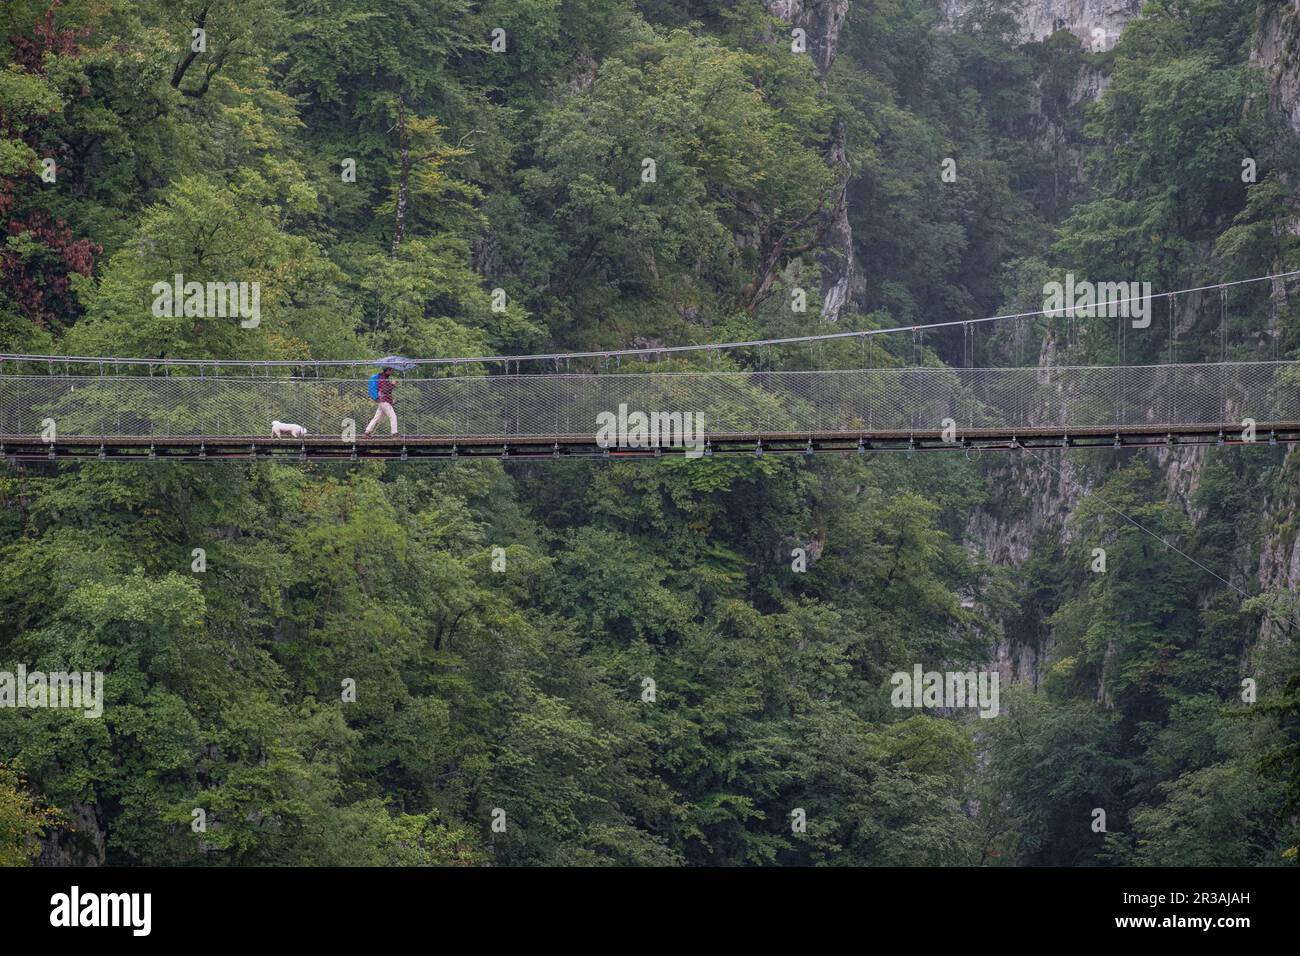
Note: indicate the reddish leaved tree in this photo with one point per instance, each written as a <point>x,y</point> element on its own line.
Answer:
<point>47,37</point>
<point>38,282</point>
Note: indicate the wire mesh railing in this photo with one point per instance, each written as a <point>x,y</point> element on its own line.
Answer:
<point>728,402</point>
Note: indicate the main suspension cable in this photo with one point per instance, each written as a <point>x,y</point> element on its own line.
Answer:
<point>617,353</point>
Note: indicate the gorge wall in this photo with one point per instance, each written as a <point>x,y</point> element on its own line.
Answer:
<point>1045,496</point>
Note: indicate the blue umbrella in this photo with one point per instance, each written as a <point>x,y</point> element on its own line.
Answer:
<point>396,362</point>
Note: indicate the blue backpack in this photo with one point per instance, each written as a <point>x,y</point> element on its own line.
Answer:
<point>374,385</point>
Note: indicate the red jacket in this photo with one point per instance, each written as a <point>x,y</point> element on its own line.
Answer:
<point>385,388</point>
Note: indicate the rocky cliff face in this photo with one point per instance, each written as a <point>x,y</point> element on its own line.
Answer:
<point>1097,23</point>
<point>1279,558</point>
<point>1046,496</point>
<point>80,843</point>
<point>822,21</point>
<point>1275,49</point>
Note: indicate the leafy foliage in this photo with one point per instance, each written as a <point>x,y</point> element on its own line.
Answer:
<point>649,681</point>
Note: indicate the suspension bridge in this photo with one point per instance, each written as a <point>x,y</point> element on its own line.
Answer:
<point>77,407</point>
<point>210,410</point>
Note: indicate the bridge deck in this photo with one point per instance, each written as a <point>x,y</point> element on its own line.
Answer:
<point>448,447</point>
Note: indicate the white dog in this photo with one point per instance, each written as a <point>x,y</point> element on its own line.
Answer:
<point>286,430</point>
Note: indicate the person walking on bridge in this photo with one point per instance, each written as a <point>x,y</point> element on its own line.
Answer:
<point>381,388</point>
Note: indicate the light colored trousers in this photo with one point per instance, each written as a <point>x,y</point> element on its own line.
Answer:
<point>384,409</point>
